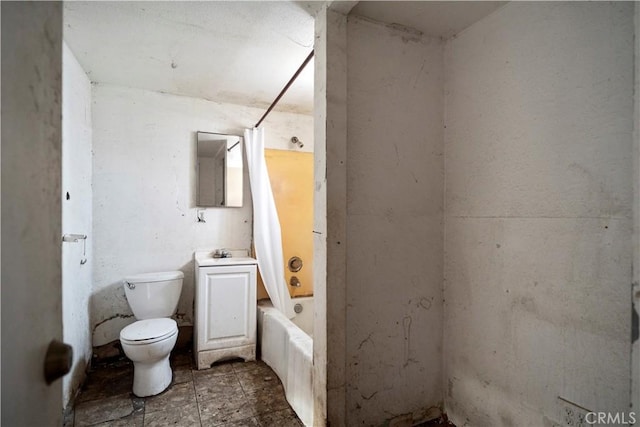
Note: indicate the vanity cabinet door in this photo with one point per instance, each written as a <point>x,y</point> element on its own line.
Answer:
<point>226,306</point>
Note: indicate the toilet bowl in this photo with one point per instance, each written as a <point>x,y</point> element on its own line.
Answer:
<point>148,342</point>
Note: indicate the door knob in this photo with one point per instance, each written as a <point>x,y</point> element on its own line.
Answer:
<point>57,361</point>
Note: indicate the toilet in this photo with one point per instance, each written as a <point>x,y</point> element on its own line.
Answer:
<point>153,298</point>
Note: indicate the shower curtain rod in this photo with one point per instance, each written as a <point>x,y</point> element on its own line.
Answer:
<point>284,90</point>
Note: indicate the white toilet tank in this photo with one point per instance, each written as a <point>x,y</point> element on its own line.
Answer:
<point>153,295</point>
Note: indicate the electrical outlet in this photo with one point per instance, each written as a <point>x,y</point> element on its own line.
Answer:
<point>571,414</point>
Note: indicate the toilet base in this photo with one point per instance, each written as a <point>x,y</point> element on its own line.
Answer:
<point>150,379</point>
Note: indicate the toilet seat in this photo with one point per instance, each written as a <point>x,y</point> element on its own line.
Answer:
<point>148,331</point>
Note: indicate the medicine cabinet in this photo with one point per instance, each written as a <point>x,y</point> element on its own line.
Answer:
<point>219,173</point>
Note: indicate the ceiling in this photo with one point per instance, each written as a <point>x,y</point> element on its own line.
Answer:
<point>241,52</point>
<point>236,52</point>
<point>433,18</point>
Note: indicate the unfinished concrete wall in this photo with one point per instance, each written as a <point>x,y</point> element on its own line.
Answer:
<point>144,191</point>
<point>538,144</point>
<point>394,228</point>
<point>330,214</point>
<point>635,333</point>
<point>77,217</point>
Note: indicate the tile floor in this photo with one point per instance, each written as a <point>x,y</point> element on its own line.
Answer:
<point>229,394</point>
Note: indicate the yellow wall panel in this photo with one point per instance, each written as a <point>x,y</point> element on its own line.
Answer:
<point>291,175</point>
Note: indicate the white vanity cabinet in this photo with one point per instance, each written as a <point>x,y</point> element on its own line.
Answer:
<point>225,310</point>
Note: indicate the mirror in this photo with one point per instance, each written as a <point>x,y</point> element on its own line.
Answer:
<point>219,170</point>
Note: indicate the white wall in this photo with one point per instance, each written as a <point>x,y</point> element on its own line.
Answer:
<point>394,241</point>
<point>144,191</point>
<point>538,115</point>
<point>31,209</point>
<point>76,217</point>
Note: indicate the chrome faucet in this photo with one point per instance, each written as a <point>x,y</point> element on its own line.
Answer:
<point>221,253</point>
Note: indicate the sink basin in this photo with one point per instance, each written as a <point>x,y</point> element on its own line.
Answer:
<point>206,259</point>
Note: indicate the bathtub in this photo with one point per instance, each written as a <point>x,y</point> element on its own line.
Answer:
<point>304,319</point>
<point>287,347</point>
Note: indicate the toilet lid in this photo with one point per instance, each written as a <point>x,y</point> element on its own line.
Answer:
<point>149,329</point>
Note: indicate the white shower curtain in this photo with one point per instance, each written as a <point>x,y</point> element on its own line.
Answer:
<point>266,225</point>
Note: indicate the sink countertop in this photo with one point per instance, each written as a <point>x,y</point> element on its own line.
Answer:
<point>206,259</point>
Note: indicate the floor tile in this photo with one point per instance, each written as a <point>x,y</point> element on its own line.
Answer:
<point>221,369</point>
<point>241,366</point>
<point>175,396</point>
<point>230,394</point>
<point>225,410</point>
<point>107,382</point>
<point>247,422</point>
<point>186,415</point>
<point>117,370</point>
<point>253,381</point>
<point>269,400</point>
<point>210,387</point>
<point>182,374</point>
<point>98,411</point>
<point>133,420</point>
<point>138,403</point>
<point>284,418</point>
